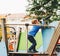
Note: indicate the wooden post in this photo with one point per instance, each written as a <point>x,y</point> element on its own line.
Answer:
<point>54,40</point>
<point>4,33</point>
<point>27,36</point>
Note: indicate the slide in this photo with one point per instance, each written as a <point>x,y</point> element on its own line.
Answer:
<point>50,37</point>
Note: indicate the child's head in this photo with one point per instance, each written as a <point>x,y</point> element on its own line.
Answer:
<point>34,21</point>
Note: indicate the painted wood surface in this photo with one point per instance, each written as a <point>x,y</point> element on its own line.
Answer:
<point>47,34</point>
<point>3,50</point>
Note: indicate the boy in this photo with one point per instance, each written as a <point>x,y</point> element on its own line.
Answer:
<point>31,35</point>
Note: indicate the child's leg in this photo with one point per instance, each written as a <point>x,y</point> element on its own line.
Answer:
<point>33,41</point>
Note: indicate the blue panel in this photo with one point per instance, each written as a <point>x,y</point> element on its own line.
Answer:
<point>47,34</point>
<point>3,51</point>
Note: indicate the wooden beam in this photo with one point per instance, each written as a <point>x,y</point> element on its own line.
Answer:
<point>54,39</point>
<point>4,33</point>
<point>31,54</point>
<point>31,25</point>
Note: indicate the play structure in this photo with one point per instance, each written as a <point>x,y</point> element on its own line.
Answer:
<point>50,37</point>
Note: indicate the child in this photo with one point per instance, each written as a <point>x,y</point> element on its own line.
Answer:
<point>31,35</point>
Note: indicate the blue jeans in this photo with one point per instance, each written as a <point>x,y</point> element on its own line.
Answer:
<point>33,41</point>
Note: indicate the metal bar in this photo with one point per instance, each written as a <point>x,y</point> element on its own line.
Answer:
<point>9,27</point>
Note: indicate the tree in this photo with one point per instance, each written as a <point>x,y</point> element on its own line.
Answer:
<point>43,9</point>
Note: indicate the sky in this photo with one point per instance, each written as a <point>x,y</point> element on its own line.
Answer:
<point>12,6</point>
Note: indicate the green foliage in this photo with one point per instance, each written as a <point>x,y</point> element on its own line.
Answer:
<point>37,7</point>
<point>54,4</point>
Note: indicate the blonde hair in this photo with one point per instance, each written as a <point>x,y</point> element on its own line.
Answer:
<point>34,21</point>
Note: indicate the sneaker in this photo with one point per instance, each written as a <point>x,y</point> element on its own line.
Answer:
<point>31,51</point>
<point>35,51</point>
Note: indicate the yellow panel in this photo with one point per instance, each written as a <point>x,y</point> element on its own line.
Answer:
<point>8,30</point>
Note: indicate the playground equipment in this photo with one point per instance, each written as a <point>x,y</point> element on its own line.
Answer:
<point>51,37</point>
<point>49,49</point>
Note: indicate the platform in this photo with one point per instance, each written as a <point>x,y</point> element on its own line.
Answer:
<point>29,54</point>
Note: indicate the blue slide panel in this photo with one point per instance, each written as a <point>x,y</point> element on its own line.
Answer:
<point>47,34</point>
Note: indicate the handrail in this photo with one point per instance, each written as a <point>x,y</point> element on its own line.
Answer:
<point>32,25</point>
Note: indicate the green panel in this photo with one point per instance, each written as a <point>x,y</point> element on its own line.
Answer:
<point>22,45</point>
